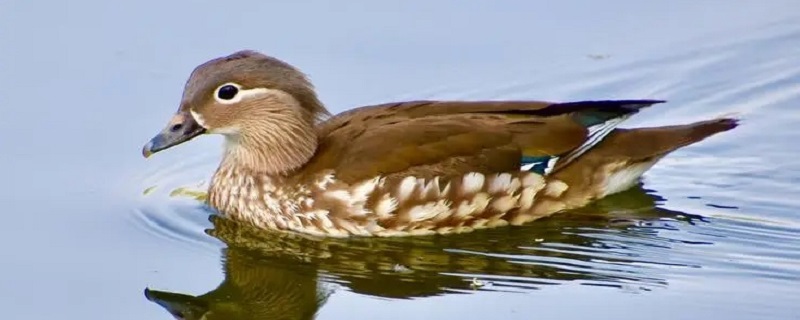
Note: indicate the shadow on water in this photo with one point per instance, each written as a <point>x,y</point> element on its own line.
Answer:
<point>613,243</point>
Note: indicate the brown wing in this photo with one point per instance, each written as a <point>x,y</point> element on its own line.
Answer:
<point>427,138</point>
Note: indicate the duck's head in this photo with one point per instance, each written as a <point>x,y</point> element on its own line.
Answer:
<point>265,108</point>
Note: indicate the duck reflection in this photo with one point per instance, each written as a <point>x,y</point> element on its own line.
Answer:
<point>613,243</point>
<point>254,288</point>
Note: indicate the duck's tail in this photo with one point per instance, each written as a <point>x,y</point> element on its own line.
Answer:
<point>641,143</point>
<point>618,162</point>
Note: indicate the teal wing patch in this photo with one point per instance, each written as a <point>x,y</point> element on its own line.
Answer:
<point>599,117</point>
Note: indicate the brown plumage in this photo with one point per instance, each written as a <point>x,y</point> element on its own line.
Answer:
<point>407,168</point>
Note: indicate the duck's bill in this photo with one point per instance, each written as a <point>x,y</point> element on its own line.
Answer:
<point>181,128</point>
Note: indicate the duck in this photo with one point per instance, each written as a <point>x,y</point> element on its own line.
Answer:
<point>408,168</point>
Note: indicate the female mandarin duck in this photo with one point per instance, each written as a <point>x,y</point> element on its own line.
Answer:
<point>406,168</point>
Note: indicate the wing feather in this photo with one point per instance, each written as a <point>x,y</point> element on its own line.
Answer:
<point>443,138</point>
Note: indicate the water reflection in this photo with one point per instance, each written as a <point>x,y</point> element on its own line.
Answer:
<point>254,288</point>
<point>613,243</point>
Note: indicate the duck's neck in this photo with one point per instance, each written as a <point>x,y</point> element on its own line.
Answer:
<point>256,177</point>
<point>272,152</point>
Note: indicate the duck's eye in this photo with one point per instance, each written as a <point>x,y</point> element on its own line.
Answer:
<point>227,92</point>
<point>232,93</point>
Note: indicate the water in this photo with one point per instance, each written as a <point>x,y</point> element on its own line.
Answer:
<point>714,232</point>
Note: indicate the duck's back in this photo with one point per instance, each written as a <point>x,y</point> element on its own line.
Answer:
<point>430,139</point>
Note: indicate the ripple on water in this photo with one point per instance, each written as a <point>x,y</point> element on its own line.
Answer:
<point>170,209</point>
<point>183,225</point>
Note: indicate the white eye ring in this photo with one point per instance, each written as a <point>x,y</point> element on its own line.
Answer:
<point>228,93</point>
